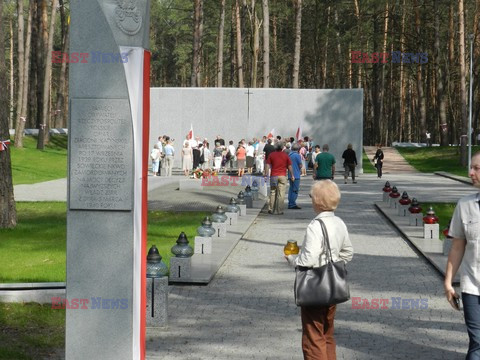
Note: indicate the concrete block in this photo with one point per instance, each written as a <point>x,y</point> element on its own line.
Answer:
<point>232,218</point>
<point>431,231</point>
<point>415,219</point>
<point>393,203</point>
<point>249,202</point>
<point>203,245</point>
<point>220,228</point>
<point>180,268</point>
<point>385,196</point>
<point>403,210</point>
<point>243,210</point>
<point>157,302</point>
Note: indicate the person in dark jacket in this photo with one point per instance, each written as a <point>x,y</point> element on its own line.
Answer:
<point>349,162</point>
<point>378,160</point>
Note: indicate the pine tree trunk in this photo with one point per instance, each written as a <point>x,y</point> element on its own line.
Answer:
<point>422,111</point>
<point>298,39</point>
<point>442,113</point>
<point>238,28</point>
<point>233,59</point>
<point>8,214</point>
<point>221,28</point>
<point>197,46</point>
<point>463,89</point>
<point>20,123</point>
<point>266,44</point>
<point>402,79</point>
<point>43,133</point>
<point>12,87</point>
<point>26,71</point>
<point>255,27</point>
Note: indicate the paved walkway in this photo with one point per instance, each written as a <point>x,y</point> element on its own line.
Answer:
<point>248,311</point>
<point>393,162</point>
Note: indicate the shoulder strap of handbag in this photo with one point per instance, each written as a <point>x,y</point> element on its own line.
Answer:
<point>325,237</point>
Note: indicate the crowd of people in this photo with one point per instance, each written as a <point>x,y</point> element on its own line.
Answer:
<point>243,157</point>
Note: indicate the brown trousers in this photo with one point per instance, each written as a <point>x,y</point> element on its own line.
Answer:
<point>318,342</point>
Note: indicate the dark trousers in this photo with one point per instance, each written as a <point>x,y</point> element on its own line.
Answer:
<point>379,168</point>
<point>196,158</point>
<point>318,342</point>
<point>349,168</point>
<point>471,310</point>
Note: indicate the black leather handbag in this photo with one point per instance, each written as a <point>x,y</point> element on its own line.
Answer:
<point>325,285</point>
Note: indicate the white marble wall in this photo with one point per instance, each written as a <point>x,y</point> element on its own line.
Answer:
<point>329,116</point>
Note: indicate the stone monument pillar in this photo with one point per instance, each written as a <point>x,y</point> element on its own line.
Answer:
<point>107,179</point>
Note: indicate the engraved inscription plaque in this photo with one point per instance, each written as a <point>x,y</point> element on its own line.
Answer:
<point>101,155</point>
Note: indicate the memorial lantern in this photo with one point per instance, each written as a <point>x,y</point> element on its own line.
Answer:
<point>248,197</point>
<point>430,218</point>
<point>255,190</point>
<point>387,187</point>
<point>206,229</point>
<point>405,200</point>
<point>219,215</point>
<point>386,191</point>
<point>291,248</point>
<point>156,268</point>
<point>182,249</point>
<point>232,206</point>
<point>241,198</point>
<point>248,191</point>
<point>394,193</point>
<point>415,207</point>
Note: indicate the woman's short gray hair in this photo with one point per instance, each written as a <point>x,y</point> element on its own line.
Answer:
<point>295,147</point>
<point>325,195</point>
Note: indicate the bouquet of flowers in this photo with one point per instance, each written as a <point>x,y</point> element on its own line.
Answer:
<point>198,173</point>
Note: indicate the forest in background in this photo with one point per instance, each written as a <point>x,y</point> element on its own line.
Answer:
<point>273,43</point>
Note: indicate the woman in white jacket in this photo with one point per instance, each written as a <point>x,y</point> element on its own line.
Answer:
<point>318,341</point>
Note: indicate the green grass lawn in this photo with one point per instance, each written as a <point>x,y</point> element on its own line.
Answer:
<point>368,168</point>
<point>30,165</point>
<point>35,250</point>
<point>444,211</point>
<point>436,158</point>
<point>30,331</point>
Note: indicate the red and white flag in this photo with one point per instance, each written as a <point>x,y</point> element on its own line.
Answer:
<point>4,144</point>
<point>298,135</point>
<point>190,133</point>
<point>271,134</point>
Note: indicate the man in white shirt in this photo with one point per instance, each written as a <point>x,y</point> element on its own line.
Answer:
<point>465,230</point>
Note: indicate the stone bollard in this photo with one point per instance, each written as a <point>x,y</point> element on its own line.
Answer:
<point>386,192</point>
<point>157,301</point>
<point>203,245</point>
<point>394,195</point>
<point>431,229</point>
<point>232,218</point>
<point>404,204</point>
<point>180,268</point>
<point>415,213</point>
<point>220,229</point>
<point>181,264</point>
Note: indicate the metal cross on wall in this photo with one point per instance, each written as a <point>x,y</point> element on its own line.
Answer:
<point>248,104</point>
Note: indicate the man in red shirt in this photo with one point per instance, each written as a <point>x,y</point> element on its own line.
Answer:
<point>277,164</point>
